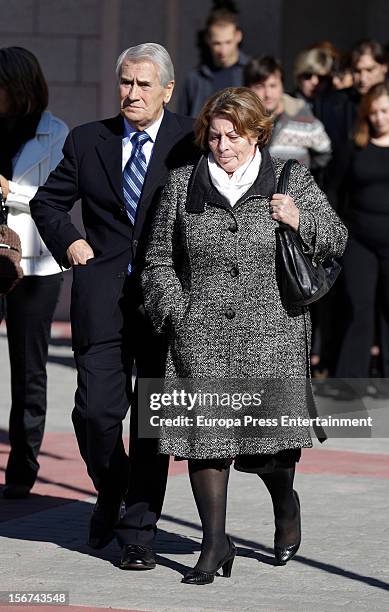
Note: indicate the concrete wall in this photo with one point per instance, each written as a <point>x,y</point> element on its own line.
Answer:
<point>78,41</point>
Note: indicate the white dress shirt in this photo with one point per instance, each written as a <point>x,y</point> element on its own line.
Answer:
<point>148,146</point>
<point>233,187</point>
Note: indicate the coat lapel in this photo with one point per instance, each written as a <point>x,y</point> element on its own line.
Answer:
<point>109,150</point>
<point>157,171</point>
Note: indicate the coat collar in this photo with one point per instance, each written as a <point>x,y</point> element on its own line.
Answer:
<point>201,190</point>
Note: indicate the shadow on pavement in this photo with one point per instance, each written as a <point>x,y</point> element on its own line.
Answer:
<point>67,526</point>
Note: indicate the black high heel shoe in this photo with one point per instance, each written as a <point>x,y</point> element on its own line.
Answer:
<point>283,554</point>
<point>197,576</point>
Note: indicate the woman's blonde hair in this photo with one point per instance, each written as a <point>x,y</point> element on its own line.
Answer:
<point>314,61</point>
<point>362,132</point>
<point>243,108</point>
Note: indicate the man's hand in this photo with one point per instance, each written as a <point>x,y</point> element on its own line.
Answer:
<point>79,252</point>
<point>283,208</point>
<point>4,186</point>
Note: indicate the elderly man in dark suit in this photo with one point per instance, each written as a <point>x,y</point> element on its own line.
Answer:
<point>117,167</point>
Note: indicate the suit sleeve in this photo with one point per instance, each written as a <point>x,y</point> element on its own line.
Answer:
<point>320,228</point>
<point>162,290</point>
<point>52,203</point>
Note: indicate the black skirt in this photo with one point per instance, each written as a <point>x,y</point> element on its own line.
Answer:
<point>265,464</point>
<point>253,464</point>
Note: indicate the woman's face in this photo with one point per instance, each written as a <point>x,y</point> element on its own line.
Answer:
<point>379,116</point>
<point>309,84</point>
<point>4,102</point>
<point>228,148</point>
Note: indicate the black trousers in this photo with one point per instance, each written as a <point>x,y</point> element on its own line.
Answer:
<point>366,276</point>
<point>102,401</point>
<point>29,310</point>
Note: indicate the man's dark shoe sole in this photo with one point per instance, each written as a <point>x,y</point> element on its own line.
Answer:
<point>136,566</point>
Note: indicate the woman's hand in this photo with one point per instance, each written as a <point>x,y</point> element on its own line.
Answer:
<point>283,208</point>
<point>4,186</point>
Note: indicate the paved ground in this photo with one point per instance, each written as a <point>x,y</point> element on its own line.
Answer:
<point>342,563</point>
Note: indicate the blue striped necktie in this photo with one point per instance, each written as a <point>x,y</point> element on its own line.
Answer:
<point>134,175</point>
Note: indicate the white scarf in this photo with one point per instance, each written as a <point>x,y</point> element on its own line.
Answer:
<point>235,186</point>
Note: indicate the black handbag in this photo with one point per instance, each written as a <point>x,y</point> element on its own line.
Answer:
<point>301,281</point>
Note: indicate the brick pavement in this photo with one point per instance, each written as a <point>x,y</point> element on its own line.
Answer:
<point>342,563</point>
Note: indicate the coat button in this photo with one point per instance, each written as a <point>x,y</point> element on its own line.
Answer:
<point>233,227</point>
<point>230,313</point>
<point>234,272</point>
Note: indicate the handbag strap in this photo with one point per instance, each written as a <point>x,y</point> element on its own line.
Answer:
<point>283,180</point>
<point>283,184</point>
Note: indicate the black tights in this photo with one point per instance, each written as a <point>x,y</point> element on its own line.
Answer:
<point>280,486</point>
<point>209,481</point>
<point>209,486</point>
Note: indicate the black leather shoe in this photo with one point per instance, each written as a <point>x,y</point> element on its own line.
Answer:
<point>137,557</point>
<point>283,554</point>
<point>16,491</point>
<point>198,576</point>
<point>103,520</point>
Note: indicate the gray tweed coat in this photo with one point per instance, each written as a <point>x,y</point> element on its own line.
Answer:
<point>209,281</point>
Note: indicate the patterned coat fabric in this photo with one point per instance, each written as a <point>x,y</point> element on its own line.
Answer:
<point>209,281</point>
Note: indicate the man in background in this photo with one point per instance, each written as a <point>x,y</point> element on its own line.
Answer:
<point>297,134</point>
<point>224,67</point>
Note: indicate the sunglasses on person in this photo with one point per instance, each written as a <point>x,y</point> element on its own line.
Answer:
<point>306,76</point>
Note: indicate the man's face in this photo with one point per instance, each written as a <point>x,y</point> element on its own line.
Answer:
<point>367,72</point>
<point>223,41</point>
<point>141,94</point>
<point>270,92</point>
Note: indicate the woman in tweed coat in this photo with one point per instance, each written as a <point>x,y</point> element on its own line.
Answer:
<point>209,281</point>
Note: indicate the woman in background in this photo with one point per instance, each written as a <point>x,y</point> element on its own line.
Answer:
<point>359,176</point>
<point>31,140</point>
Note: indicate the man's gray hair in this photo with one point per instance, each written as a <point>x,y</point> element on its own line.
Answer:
<point>153,53</point>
